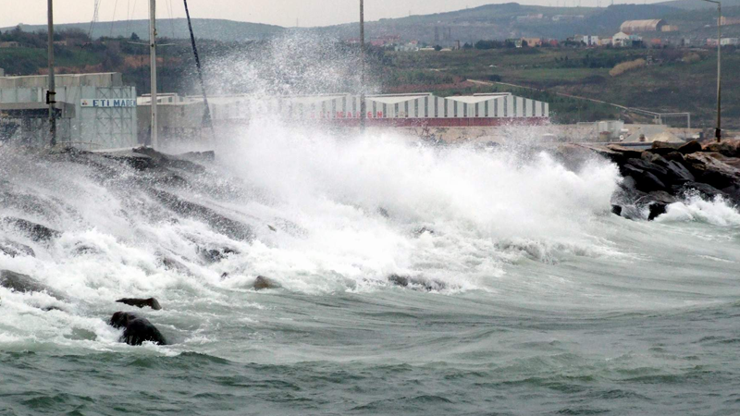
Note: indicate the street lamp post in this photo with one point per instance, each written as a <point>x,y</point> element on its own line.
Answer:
<point>363,106</point>
<point>718,130</point>
<point>51,92</point>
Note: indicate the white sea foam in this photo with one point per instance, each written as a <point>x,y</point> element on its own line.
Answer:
<point>717,212</point>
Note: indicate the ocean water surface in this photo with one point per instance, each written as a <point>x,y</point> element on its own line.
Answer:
<point>527,296</point>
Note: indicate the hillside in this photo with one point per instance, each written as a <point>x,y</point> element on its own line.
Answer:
<point>494,21</point>
<point>698,5</point>
<point>214,29</point>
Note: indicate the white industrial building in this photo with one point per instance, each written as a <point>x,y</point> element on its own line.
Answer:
<point>94,111</point>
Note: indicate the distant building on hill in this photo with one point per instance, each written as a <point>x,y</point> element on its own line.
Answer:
<point>96,111</point>
<point>532,42</point>
<point>639,26</point>
<point>625,40</point>
<point>530,17</point>
<point>7,45</point>
<point>728,21</point>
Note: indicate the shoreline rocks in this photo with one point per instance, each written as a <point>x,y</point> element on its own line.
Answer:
<point>657,177</point>
<point>136,330</point>
<point>141,303</point>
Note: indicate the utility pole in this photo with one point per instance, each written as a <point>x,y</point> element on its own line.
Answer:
<point>363,105</point>
<point>51,93</point>
<point>153,68</point>
<point>718,130</point>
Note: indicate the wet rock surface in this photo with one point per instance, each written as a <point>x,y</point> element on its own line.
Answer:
<point>25,284</point>
<point>416,282</point>
<point>262,283</point>
<point>136,330</point>
<point>659,176</point>
<point>141,303</point>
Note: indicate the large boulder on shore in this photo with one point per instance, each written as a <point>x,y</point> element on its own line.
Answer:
<point>416,282</point>
<point>690,147</point>
<point>262,283</point>
<point>136,330</point>
<point>728,148</point>
<point>141,303</point>
<point>18,282</point>
<point>35,232</point>
<point>14,249</point>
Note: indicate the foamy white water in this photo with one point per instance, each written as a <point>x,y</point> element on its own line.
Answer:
<point>541,292</point>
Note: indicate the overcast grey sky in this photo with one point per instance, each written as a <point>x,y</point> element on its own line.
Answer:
<point>279,12</point>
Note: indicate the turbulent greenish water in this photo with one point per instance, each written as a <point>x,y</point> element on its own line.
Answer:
<point>550,305</point>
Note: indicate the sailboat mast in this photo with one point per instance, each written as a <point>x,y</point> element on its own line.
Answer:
<point>153,66</point>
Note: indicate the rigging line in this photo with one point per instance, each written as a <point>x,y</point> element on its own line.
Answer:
<point>207,114</point>
<point>115,7</point>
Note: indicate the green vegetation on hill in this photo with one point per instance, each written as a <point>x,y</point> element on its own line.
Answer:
<point>673,81</point>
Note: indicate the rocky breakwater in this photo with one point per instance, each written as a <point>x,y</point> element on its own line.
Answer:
<point>665,173</point>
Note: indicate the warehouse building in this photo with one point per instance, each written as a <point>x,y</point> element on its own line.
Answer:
<point>639,26</point>
<point>181,118</point>
<point>94,111</point>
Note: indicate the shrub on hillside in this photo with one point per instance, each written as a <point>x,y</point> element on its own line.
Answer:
<point>620,69</point>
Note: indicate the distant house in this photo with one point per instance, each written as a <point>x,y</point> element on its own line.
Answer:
<point>533,42</point>
<point>588,40</point>
<point>625,40</point>
<point>517,43</point>
<point>7,45</point>
<point>639,26</point>
<point>412,46</point>
<point>530,17</point>
<point>728,21</point>
<point>730,42</point>
<point>567,17</point>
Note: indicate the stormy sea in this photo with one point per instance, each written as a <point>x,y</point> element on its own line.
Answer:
<point>396,278</point>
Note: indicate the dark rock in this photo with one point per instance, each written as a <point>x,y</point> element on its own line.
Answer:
<point>35,232</point>
<point>625,152</point>
<point>136,330</point>
<point>645,181</point>
<point>705,190</point>
<point>174,265</point>
<point>650,157</point>
<point>423,230</point>
<point>710,169</point>
<point>13,249</point>
<point>674,156</point>
<point>416,282</point>
<point>218,222</point>
<point>690,147</point>
<point>729,148</point>
<point>616,210</point>
<point>659,146</point>
<point>25,284</point>
<point>263,282</point>
<point>215,255</point>
<point>167,161</point>
<point>656,209</point>
<point>207,156</point>
<point>141,303</point>
<point>676,172</point>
